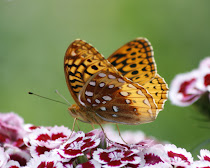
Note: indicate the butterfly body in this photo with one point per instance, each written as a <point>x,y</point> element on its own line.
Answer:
<point>114,90</point>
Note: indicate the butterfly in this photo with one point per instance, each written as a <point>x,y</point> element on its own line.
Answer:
<point>125,88</point>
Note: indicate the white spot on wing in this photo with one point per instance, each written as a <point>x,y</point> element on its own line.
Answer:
<point>111,77</point>
<point>102,75</point>
<point>124,93</point>
<point>131,86</point>
<point>92,83</point>
<point>73,53</point>
<point>127,101</point>
<point>114,115</point>
<point>88,93</point>
<point>89,100</point>
<point>150,111</point>
<point>120,80</point>
<point>140,92</point>
<point>108,98</point>
<point>103,108</point>
<point>146,102</point>
<point>115,108</point>
<point>111,86</point>
<point>97,101</point>
<point>102,84</point>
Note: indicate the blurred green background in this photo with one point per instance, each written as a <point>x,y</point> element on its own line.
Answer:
<point>34,35</point>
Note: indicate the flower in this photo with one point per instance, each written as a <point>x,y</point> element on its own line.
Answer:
<point>184,90</point>
<point>204,155</point>
<point>188,87</point>
<point>3,157</point>
<point>48,160</point>
<point>44,139</point>
<point>116,157</point>
<point>11,127</point>
<point>90,164</point>
<point>77,145</point>
<point>177,156</point>
<point>59,147</point>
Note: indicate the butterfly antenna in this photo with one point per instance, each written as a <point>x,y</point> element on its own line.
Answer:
<point>47,98</point>
<point>63,97</point>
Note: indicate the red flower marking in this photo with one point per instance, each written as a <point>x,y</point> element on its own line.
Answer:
<point>22,161</point>
<point>172,155</point>
<point>41,150</point>
<point>184,85</point>
<point>46,165</point>
<point>43,137</point>
<point>207,80</point>
<point>152,159</point>
<point>3,138</point>
<point>206,158</point>
<point>58,135</point>
<point>33,127</point>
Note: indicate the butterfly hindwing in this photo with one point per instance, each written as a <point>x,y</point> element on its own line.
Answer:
<point>116,99</point>
<point>158,88</point>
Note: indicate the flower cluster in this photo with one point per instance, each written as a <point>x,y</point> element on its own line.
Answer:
<point>27,146</point>
<point>188,87</point>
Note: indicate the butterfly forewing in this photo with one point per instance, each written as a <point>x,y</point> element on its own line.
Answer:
<point>81,61</point>
<point>113,98</point>
<point>135,60</point>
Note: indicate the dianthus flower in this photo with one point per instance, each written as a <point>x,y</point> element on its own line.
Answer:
<point>28,146</point>
<point>188,87</point>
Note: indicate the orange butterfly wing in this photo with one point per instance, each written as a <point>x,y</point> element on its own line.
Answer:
<point>81,61</point>
<point>114,98</point>
<point>135,60</point>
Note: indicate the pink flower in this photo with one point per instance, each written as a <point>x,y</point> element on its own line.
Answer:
<point>17,155</point>
<point>204,155</point>
<point>90,164</point>
<point>48,160</point>
<point>178,157</point>
<point>205,63</point>
<point>13,164</point>
<point>3,157</point>
<point>188,87</point>
<point>183,90</point>
<point>44,139</point>
<point>116,157</point>
<point>156,157</point>
<point>203,82</point>
<point>11,127</point>
<point>201,164</point>
<point>77,145</point>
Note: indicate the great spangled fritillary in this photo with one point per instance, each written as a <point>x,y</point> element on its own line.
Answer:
<point>124,89</point>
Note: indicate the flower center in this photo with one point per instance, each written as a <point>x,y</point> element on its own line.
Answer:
<point>76,145</point>
<point>116,155</point>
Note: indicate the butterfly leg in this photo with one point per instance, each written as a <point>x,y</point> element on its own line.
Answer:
<point>120,134</point>
<point>77,125</point>
<point>75,120</point>
<point>92,126</point>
